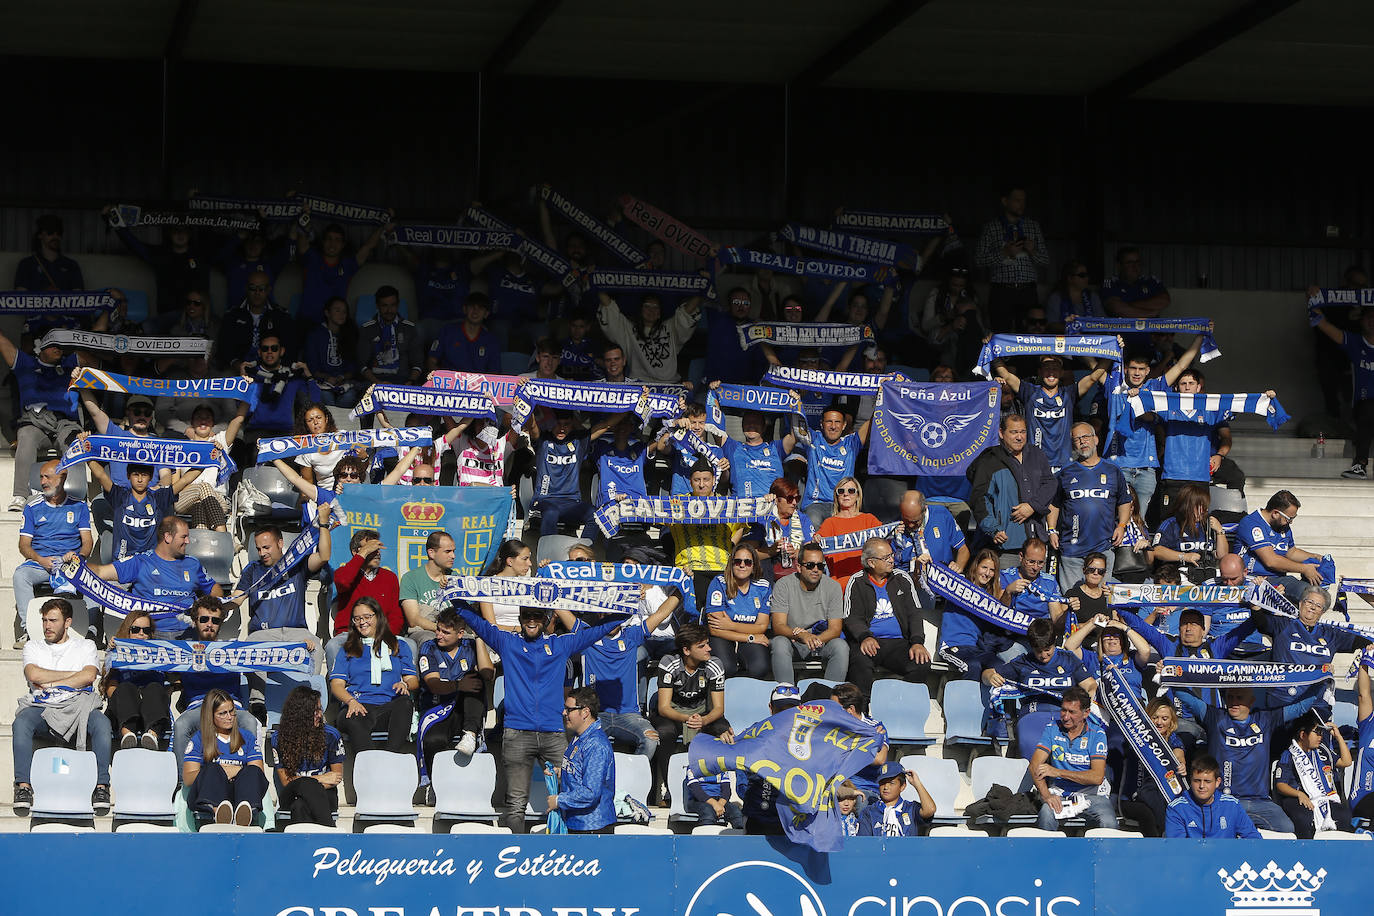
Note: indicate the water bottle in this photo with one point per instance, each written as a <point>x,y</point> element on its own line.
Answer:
<point>1319,447</point>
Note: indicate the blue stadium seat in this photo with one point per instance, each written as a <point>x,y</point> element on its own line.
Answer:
<point>514,363</point>
<point>463,787</point>
<point>903,708</point>
<point>963,707</point>
<point>138,305</point>
<point>941,779</point>
<point>746,699</point>
<point>215,551</point>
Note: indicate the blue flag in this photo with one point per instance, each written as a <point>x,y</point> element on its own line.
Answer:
<point>805,753</point>
<point>932,429</point>
<point>475,516</point>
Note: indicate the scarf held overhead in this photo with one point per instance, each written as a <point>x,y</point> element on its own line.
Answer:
<point>428,401</point>
<point>238,388</point>
<point>548,259</point>
<point>607,237</point>
<point>176,453</point>
<point>128,216</point>
<point>219,657</point>
<point>23,302</point>
<point>461,238</point>
<point>115,600</point>
<point>889,221</point>
<point>1201,326</point>
<point>932,428</point>
<point>121,344</point>
<point>289,446</point>
<point>1004,346</point>
<point>804,335</point>
<point>599,397</point>
<point>683,510</point>
<point>664,576</point>
<point>655,281</point>
<point>550,594</point>
<point>662,226</point>
<point>848,245</point>
<point>808,267</point>
<point>1172,405</point>
<point>1233,672</point>
<point>827,382</point>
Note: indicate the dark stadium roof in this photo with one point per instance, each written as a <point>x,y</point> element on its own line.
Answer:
<point>1308,52</point>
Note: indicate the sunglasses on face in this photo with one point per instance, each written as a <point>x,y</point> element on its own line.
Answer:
<point>1081,273</point>
<point>812,564</point>
<point>140,412</point>
<point>1096,570</point>
<point>846,491</point>
<point>269,348</point>
<point>743,561</point>
<point>428,480</point>
<point>194,302</point>
<point>205,618</point>
<point>136,631</point>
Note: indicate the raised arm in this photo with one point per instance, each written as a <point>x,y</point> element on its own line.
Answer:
<point>307,489</point>
<point>365,252</point>
<point>406,462</point>
<point>836,292</point>
<point>320,558</point>
<point>1184,361</point>
<point>8,351</point>
<point>1363,692</point>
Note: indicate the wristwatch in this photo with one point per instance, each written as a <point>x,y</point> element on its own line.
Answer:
<point>751,637</point>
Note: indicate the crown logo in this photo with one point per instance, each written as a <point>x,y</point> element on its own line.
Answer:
<point>422,513</point>
<point>1255,893</point>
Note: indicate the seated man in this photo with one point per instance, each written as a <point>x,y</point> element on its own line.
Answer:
<point>164,573</point>
<point>586,780</point>
<point>207,616</point>
<point>54,527</point>
<point>892,815</point>
<point>276,612</point>
<point>1069,767</point>
<point>882,620</point>
<point>1203,813</point>
<point>364,576</point>
<point>808,618</point>
<point>1043,674</point>
<point>1241,737</point>
<point>690,699</point>
<point>1265,539</point>
<point>61,703</point>
<point>928,534</point>
<point>1305,640</point>
<point>1027,587</point>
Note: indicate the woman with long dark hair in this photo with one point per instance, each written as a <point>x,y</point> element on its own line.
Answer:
<point>373,677</point>
<point>513,558</point>
<point>223,766</point>
<point>1192,537</point>
<point>310,759</point>
<point>737,613</point>
<point>651,343</point>
<point>138,706</point>
<point>317,467</point>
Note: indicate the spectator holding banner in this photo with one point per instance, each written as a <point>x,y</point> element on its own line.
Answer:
<point>927,534</point>
<point>969,643</point>
<point>285,388</point>
<point>48,411</point>
<point>779,540</point>
<point>54,527</point>
<point>704,550</point>
<point>1305,640</point>
<point>274,588</point>
<point>206,500</point>
<point>328,269</point>
<point>727,358</point>
<point>1090,511</point>
<point>1048,406</point>
<point>651,344</point>
<point>136,510</point>
<point>207,617</point>
<point>1027,587</point>
<point>1043,675</point>
<point>1012,491</point>
<point>165,573</point>
<point>1309,772</point>
<point>882,620</point>
<point>831,457</point>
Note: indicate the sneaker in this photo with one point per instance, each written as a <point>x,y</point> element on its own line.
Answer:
<point>224,813</point>
<point>17,504</point>
<point>100,800</point>
<point>23,800</point>
<point>468,746</point>
<point>1355,472</point>
<point>21,640</point>
<point>149,741</point>
<point>664,799</point>
<point>424,796</point>
<point>128,742</point>
<point>243,814</point>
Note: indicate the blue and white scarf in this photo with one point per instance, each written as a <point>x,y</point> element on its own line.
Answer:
<point>289,446</point>
<point>654,281</point>
<point>808,267</point>
<point>429,401</point>
<point>847,245</point>
<point>1202,326</point>
<point>238,388</point>
<point>1172,405</point>
<point>786,334</point>
<point>23,302</point>
<point>827,382</point>
<point>344,211</point>
<point>461,238</point>
<point>548,259</point>
<point>1155,595</point>
<point>115,600</point>
<point>129,216</point>
<point>663,576</point>
<point>966,596</point>
<point>748,397</point>
<point>122,344</point>
<point>1330,296</point>
<point>599,397</point>
<point>303,546</point>
<point>1115,695</point>
<point>175,453</point>
<point>690,441</point>
<point>683,510</point>
<point>1233,672</point>
<point>220,657</point>
<point>607,237</point>
<point>854,540</point>
<point>550,594</point>
<point>1005,346</point>
<point>282,209</point>
<point>891,221</point>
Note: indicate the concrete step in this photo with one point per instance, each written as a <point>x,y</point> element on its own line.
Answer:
<point>1277,445</point>
<point>1295,467</point>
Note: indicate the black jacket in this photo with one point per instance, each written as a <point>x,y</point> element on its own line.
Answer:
<point>860,602</point>
<point>236,334</point>
<point>1034,479</point>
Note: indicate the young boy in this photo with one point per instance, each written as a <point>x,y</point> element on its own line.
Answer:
<point>893,815</point>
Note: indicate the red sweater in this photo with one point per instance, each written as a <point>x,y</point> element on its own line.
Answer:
<point>350,585</point>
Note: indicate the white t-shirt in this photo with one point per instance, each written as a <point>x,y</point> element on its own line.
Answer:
<point>648,606</point>
<point>210,476</point>
<point>322,464</point>
<point>72,654</point>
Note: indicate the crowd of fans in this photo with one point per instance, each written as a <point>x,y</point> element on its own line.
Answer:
<point>1064,504</point>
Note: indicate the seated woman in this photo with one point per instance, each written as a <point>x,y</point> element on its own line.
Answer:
<point>513,558</point>
<point>737,613</point>
<point>138,701</point>
<point>223,766</point>
<point>310,760</point>
<point>1309,772</point>
<point>1141,800</point>
<point>848,518</point>
<point>1191,537</point>
<point>373,676</point>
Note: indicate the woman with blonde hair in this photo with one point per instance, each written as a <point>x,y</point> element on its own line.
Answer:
<point>1141,799</point>
<point>847,518</point>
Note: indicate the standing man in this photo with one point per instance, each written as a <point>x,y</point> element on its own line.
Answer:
<point>535,664</point>
<point>1091,509</point>
<point>586,780</point>
<point>1011,248</point>
<point>882,620</point>
<point>830,459</point>
<point>1048,405</point>
<point>808,618</point>
<point>1265,539</point>
<point>53,527</point>
<point>469,346</point>
<point>421,587</point>
<point>1012,490</point>
<point>1203,814</point>
<point>1069,766</point>
<point>62,703</point>
<point>48,413</point>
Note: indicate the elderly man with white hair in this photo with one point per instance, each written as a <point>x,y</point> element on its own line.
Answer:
<point>882,619</point>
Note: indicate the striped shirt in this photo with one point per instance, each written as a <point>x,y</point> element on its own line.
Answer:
<point>703,548</point>
<point>1024,268</point>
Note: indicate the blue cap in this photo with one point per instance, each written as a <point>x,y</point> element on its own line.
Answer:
<point>891,770</point>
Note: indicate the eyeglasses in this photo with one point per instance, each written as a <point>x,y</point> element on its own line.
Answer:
<point>206,618</point>
<point>1096,570</point>
<point>1286,517</point>
<point>146,631</point>
<point>885,556</point>
<point>569,710</point>
<point>811,564</point>
<point>742,561</point>
<point>788,499</point>
<point>269,348</point>
<point>257,288</point>
<point>1087,438</point>
<point>846,491</point>
<point>225,712</point>
<point>359,618</point>
<point>1312,602</point>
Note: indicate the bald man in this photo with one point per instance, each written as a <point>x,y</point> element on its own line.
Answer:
<point>1231,571</point>
<point>928,534</point>
<point>248,323</point>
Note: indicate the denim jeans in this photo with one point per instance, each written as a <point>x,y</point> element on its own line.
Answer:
<point>1099,813</point>
<point>633,728</point>
<point>1143,482</point>
<point>520,750</point>
<point>29,724</point>
<point>706,815</point>
<point>1266,814</point>
<point>784,651</point>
